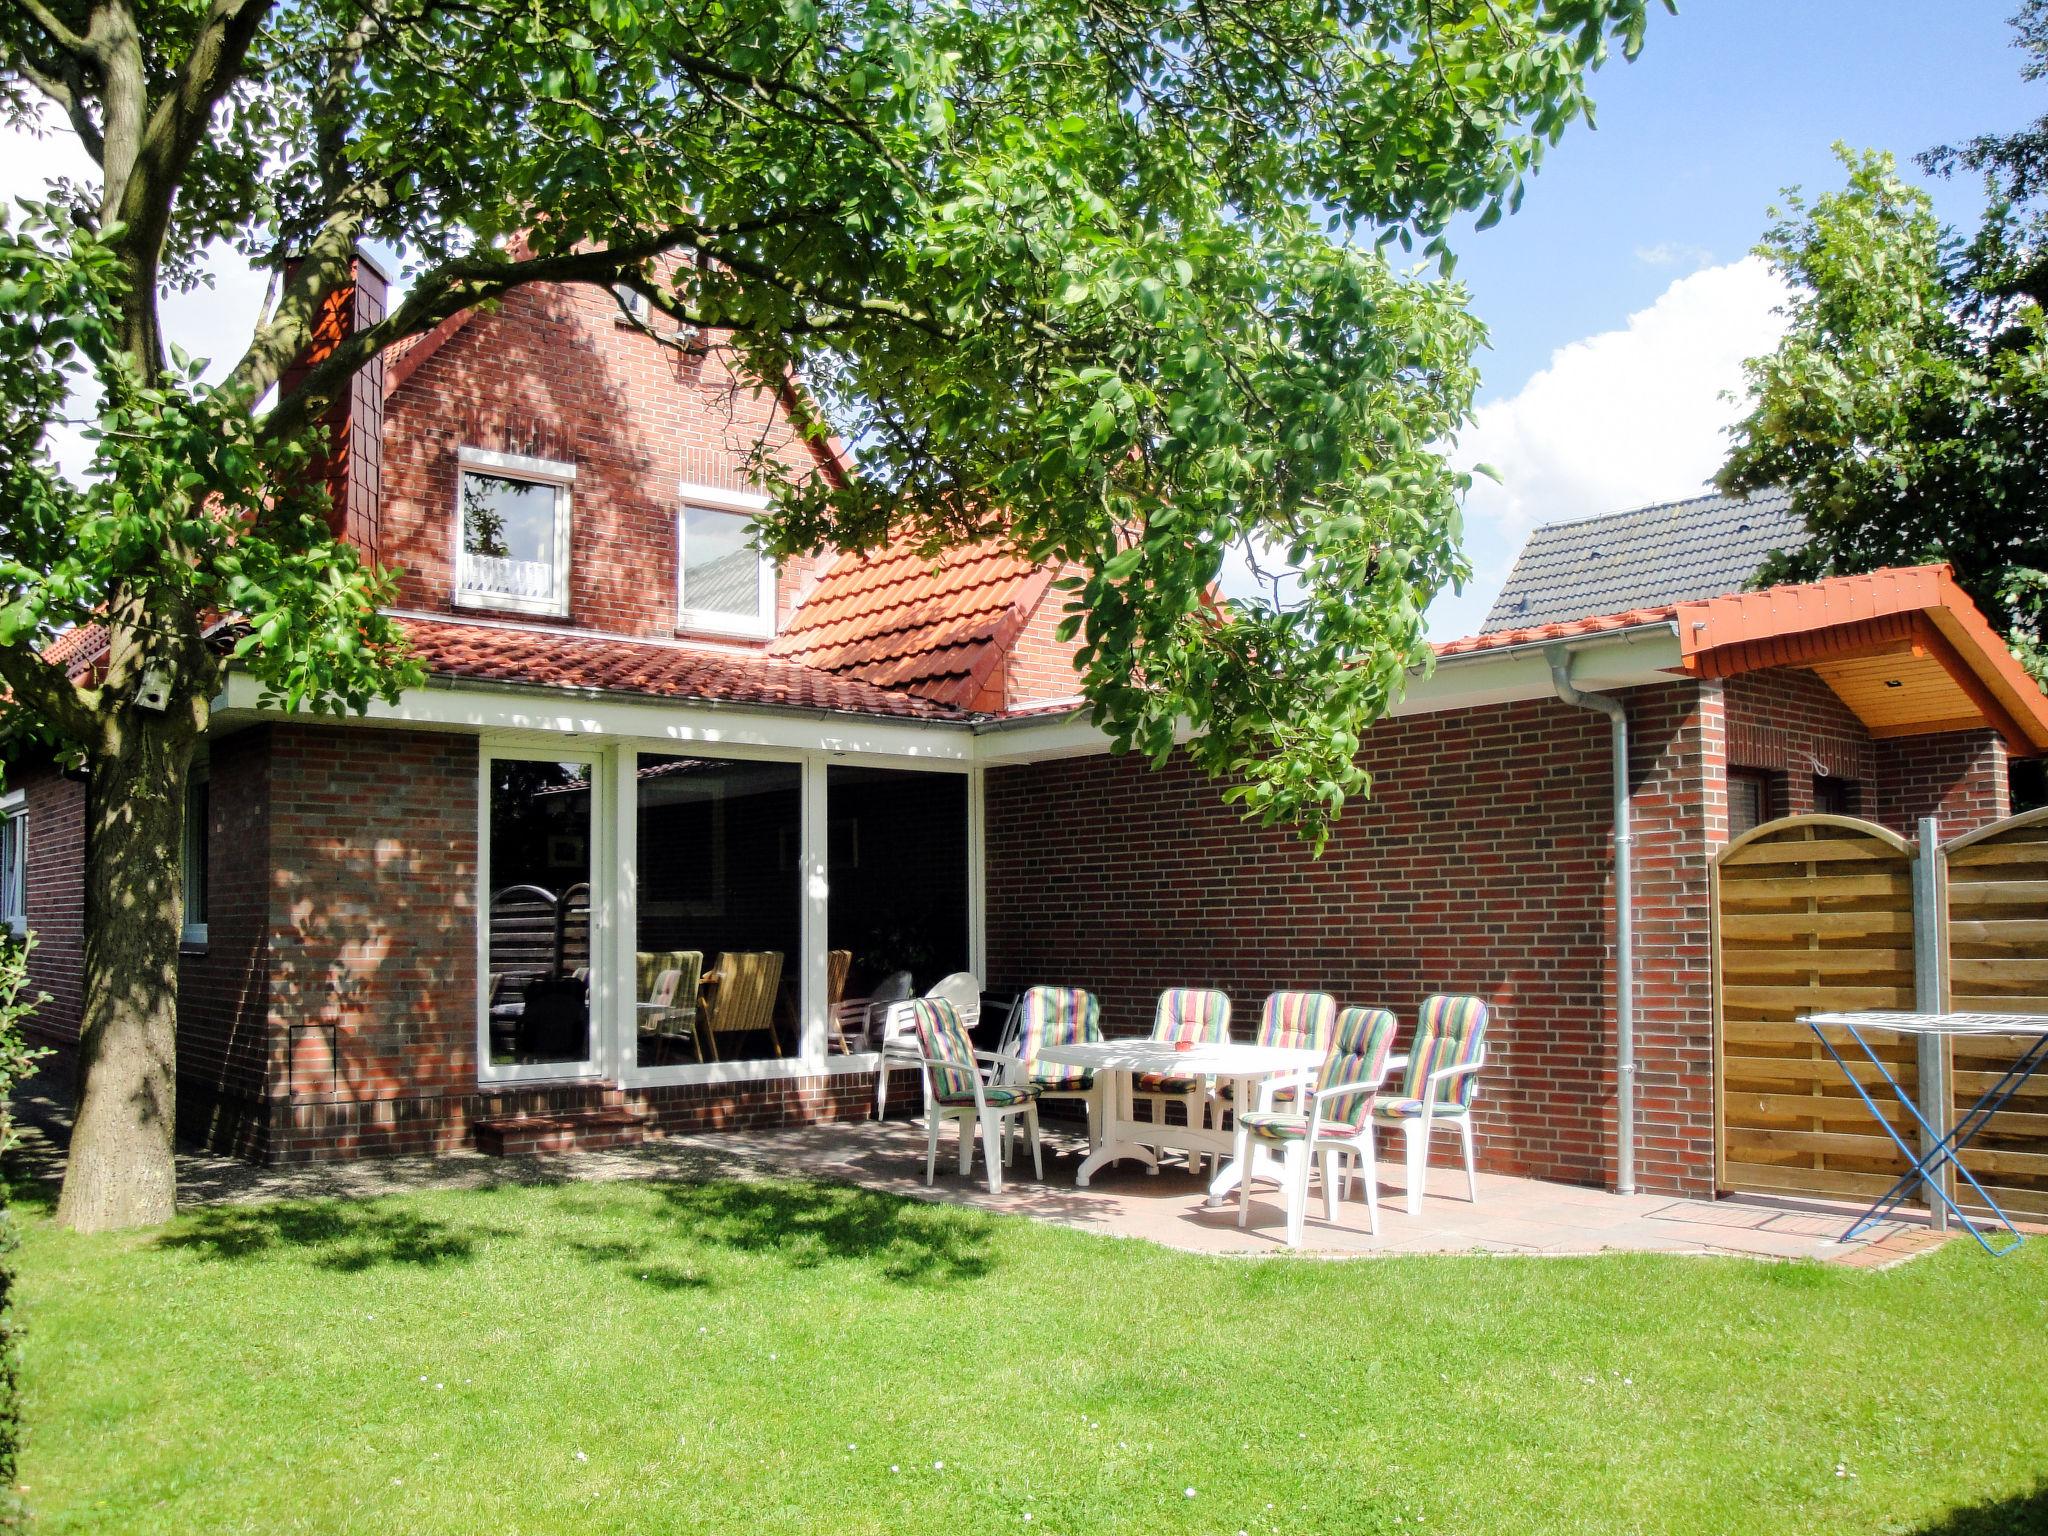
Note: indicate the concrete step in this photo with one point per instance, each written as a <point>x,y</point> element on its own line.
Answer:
<point>582,1130</point>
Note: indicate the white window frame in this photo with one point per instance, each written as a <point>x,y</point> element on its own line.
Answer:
<point>812,1058</point>
<point>556,473</point>
<point>605,880</point>
<point>702,621</point>
<point>14,815</point>
<point>194,935</point>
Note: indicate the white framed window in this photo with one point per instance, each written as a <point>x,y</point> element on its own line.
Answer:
<point>724,584</point>
<point>14,862</point>
<point>512,516</point>
<point>197,852</point>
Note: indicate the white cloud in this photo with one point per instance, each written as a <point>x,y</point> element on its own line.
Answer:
<point>1666,253</point>
<point>1616,420</point>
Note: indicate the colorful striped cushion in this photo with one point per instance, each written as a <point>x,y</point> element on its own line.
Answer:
<point>944,1039</point>
<point>1448,1033</point>
<point>1359,1046</point>
<point>1275,1125</point>
<point>994,1095</point>
<point>1160,1082</point>
<point>1298,1020</point>
<point>1200,1014</point>
<point>1056,1016</point>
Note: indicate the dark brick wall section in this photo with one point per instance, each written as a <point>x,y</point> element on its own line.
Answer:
<point>1961,778</point>
<point>1791,723</point>
<point>1482,864</point>
<point>56,900</point>
<point>224,990</point>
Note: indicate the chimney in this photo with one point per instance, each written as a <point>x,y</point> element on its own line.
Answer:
<point>354,465</point>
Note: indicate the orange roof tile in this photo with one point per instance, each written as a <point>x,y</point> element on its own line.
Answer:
<point>1567,629</point>
<point>936,627</point>
<point>549,658</point>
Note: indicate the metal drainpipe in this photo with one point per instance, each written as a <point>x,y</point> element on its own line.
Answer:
<point>1624,917</point>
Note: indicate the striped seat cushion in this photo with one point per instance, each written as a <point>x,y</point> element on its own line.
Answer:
<point>1056,1016</point>
<point>1160,1082</point>
<point>1411,1109</point>
<point>994,1095</point>
<point>1061,1079</point>
<point>1228,1092</point>
<point>1278,1125</point>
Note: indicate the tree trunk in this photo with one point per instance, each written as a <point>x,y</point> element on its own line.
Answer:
<point>120,1172</point>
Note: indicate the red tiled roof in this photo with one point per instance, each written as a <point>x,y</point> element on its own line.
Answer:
<point>77,649</point>
<point>555,659</point>
<point>1568,629</point>
<point>936,627</point>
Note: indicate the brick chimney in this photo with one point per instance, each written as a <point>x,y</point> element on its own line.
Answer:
<point>355,423</point>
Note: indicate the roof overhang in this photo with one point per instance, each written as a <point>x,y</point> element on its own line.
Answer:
<point>1906,650</point>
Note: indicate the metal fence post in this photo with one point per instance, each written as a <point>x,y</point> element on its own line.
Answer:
<point>1930,993</point>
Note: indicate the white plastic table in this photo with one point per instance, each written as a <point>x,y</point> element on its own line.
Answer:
<point>1113,1125</point>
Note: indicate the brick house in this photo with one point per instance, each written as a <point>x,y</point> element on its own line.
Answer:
<point>663,804</point>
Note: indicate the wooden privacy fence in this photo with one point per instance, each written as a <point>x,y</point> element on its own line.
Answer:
<point>1820,914</point>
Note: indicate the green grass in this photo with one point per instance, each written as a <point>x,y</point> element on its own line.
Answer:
<point>741,1358</point>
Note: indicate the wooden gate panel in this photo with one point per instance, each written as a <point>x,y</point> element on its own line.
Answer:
<point>1811,914</point>
<point>1998,963</point>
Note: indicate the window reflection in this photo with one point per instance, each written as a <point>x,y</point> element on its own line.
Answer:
<point>717,962</point>
<point>539,935</point>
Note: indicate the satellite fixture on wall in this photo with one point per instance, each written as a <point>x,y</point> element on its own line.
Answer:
<point>154,691</point>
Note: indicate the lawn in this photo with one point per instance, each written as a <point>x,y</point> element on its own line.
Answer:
<point>731,1357</point>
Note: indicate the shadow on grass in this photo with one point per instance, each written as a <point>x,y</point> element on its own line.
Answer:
<point>807,1225</point>
<point>347,1237</point>
<point>2022,1514</point>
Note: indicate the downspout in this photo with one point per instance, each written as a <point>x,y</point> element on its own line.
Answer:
<point>1624,917</point>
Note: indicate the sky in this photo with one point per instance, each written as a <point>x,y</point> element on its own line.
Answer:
<point>1621,300</point>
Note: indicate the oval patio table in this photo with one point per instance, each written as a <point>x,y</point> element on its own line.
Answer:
<point>1113,1125</point>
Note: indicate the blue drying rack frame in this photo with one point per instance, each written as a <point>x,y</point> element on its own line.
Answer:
<point>1943,1149</point>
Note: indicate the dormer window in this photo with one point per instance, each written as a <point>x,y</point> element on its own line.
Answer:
<point>725,585</point>
<point>512,532</point>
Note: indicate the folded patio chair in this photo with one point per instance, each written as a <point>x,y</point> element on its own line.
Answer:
<point>739,998</point>
<point>889,1028</point>
<point>1295,1020</point>
<point>1336,1124</point>
<point>1439,1087</point>
<point>1056,1016</point>
<point>958,1087</point>
<point>1200,1015</point>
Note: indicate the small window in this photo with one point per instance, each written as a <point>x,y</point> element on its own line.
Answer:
<point>512,532</point>
<point>198,851</point>
<point>1836,797</point>
<point>14,863</point>
<point>1750,801</point>
<point>727,584</point>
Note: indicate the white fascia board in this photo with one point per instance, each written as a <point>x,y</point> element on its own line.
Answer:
<point>483,710</point>
<point>1630,658</point>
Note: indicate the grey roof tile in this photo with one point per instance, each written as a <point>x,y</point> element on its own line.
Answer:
<point>1650,557</point>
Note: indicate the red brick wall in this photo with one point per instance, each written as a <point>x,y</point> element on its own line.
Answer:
<point>1962,778</point>
<point>556,374</point>
<point>56,899</point>
<point>1040,665</point>
<point>372,920</point>
<point>223,989</point>
<point>1481,865</point>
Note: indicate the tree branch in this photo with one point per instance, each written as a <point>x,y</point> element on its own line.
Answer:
<point>73,43</point>
<point>41,686</point>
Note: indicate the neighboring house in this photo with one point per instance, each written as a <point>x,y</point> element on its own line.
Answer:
<point>645,757</point>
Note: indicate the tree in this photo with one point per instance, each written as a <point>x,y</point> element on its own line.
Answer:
<point>1906,406</point>
<point>1105,281</point>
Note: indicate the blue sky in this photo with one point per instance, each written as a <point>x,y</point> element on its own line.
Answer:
<point>1618,299</point>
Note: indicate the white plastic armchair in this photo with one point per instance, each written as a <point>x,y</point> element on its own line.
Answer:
<point>1437,1091</point>
<point>1331,1120</point>
<point>988,1107</point>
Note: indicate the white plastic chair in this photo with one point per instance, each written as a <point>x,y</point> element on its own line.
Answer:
<point>898,1032</point>
<point>958,1088</point>
<point>1439,1087</point>
<point>1336,1125</point>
